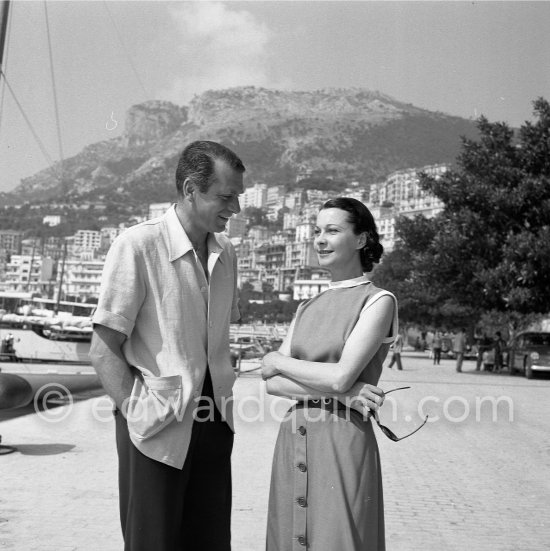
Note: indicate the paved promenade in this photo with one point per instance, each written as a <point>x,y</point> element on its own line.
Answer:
<point>475,477</point>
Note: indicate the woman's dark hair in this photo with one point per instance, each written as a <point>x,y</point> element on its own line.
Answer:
<point>197,163</point>
<point>360,217</point>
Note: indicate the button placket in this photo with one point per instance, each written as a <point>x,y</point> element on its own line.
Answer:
<point>300,487</point>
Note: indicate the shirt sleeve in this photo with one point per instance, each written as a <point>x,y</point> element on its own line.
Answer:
<point>122,289</point>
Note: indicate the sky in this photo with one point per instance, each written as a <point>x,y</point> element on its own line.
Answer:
<point>461,58</point>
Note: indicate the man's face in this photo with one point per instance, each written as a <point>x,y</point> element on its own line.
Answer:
<point>214,207</point>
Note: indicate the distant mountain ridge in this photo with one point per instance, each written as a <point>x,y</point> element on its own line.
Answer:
<point>341,133</point>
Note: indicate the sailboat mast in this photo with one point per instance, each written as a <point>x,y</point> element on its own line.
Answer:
<point>4,14</point>
<point>60,289</point>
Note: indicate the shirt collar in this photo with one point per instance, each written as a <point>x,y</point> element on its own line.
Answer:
<point>178,241</point>
<point>361,280</point>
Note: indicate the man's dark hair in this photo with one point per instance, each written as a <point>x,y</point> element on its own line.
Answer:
<point>197,163</point>
<point>360,217</point>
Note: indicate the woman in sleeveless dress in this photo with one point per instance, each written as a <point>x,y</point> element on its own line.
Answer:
<point>326,483</point>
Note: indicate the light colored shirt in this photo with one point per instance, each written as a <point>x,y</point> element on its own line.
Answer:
<point>460,342</point>
<point>176,320</point>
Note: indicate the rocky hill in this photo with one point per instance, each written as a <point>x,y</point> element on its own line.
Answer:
<point>341,133</point>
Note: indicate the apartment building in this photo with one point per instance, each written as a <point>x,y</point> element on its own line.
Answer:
<point>82,278</point>
<point>291,219</point>
<point>255,196</point>
<point>402,188</point>
<point>87,240</point>
<point>109,234</point>
<point>52,220</point>
<point>419,201</point>
<point>10,241</point>
<point>310,210</point>
<point>29,273</point>
<point>355,193</point>
<point>53,247</point>
<point>284,259</point>
<point>305,231</point>
<point>300,253</point>
<point>373,195</point>
<point>385,223</point>
<point>295,199</point>
<point>30,246</point>
<point>316,195</point>
<point>401,195</point>
<point>311,285</point>
<point>259,233</point>
<point>274,260</point>
<point>274,195</point>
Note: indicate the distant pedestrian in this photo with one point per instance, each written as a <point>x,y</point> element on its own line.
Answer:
<point>396,348</point>
<point>436,347</point>
<point>459,348</point>
<point>8,348</point>
<point>499,346</point>
<point>483,344</point>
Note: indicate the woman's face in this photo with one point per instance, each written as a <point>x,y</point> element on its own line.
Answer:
<point>336,244</point>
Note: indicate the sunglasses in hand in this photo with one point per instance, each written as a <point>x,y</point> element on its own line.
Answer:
<point>390,434</point>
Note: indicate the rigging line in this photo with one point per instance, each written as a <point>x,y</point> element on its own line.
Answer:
<point>147,95</point>
<point>22,111</point>
<point>56,107</point>
<point>4,66</point>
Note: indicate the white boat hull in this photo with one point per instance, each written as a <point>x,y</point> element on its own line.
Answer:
<point>29,345</point>
<point>73,377</point>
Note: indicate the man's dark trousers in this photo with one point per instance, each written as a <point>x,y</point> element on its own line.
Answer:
<point>167,509</point>
<point>396,358</point>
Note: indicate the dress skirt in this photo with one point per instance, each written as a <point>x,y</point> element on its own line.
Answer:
<point>326,482</point>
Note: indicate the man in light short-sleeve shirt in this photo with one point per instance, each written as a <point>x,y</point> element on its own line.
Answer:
<point>161,349</point>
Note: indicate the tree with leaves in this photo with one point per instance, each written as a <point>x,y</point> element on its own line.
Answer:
<point>489,250</point>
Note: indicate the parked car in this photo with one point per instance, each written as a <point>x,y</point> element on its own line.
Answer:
<point>530,353</point>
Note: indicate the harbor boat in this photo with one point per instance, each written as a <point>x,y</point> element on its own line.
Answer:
<point>48,352</point>
<point>40,350</point>
<point>47,339</point>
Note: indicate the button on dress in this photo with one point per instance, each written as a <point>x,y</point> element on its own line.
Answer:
<point>326,483</point>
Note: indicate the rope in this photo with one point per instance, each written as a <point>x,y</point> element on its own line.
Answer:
<point>54,89</point>
<point>4,67</point>
<point>22,111</point>
<point>6,84</point>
